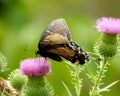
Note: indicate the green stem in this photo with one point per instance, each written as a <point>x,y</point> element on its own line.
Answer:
<point>78,83</point>
<point>97,82</point>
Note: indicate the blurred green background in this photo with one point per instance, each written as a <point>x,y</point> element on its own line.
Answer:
<point>22,21</point>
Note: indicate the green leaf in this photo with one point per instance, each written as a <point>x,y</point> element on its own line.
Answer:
<point>67,89</point>
<point>107,87</point>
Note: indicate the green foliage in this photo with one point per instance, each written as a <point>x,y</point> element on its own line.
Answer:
<point>106,48</point>
<point>3,62</point>
<point>75,71</point>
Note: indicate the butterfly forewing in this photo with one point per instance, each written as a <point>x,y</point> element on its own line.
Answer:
<point>57,26</point>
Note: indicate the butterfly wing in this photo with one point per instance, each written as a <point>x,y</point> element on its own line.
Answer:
<point>55,36</point>
<point>55,42</point>
<point>58,26</point>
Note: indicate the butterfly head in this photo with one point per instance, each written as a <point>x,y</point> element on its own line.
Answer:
<point>80,58</point>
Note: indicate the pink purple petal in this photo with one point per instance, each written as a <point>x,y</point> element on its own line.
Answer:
<point>109,25</point>
<point>35,66</point>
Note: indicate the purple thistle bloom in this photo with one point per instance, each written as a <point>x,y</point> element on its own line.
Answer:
<point>35,66</point>
<point>108,25</point>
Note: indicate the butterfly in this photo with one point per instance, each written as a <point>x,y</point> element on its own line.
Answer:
<point>55,42</point>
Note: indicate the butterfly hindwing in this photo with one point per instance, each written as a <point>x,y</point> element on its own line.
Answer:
<point>63,50</point>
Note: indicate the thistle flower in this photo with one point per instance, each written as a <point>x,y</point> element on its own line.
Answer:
<point>36,85</point>
<point>108,25</point>
<point>35,67</point>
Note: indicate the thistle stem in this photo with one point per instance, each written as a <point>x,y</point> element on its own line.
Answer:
<point>78,84</point>
<point>95,87</point>
<point>77,81</point>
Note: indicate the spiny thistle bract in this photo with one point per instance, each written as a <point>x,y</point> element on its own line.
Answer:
<point>17,80</point>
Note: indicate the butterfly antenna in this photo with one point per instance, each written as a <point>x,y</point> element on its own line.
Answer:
<point>94,56</point>
<point>27,49</point>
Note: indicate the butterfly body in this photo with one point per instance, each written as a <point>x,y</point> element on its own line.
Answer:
<point>55,42</point>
